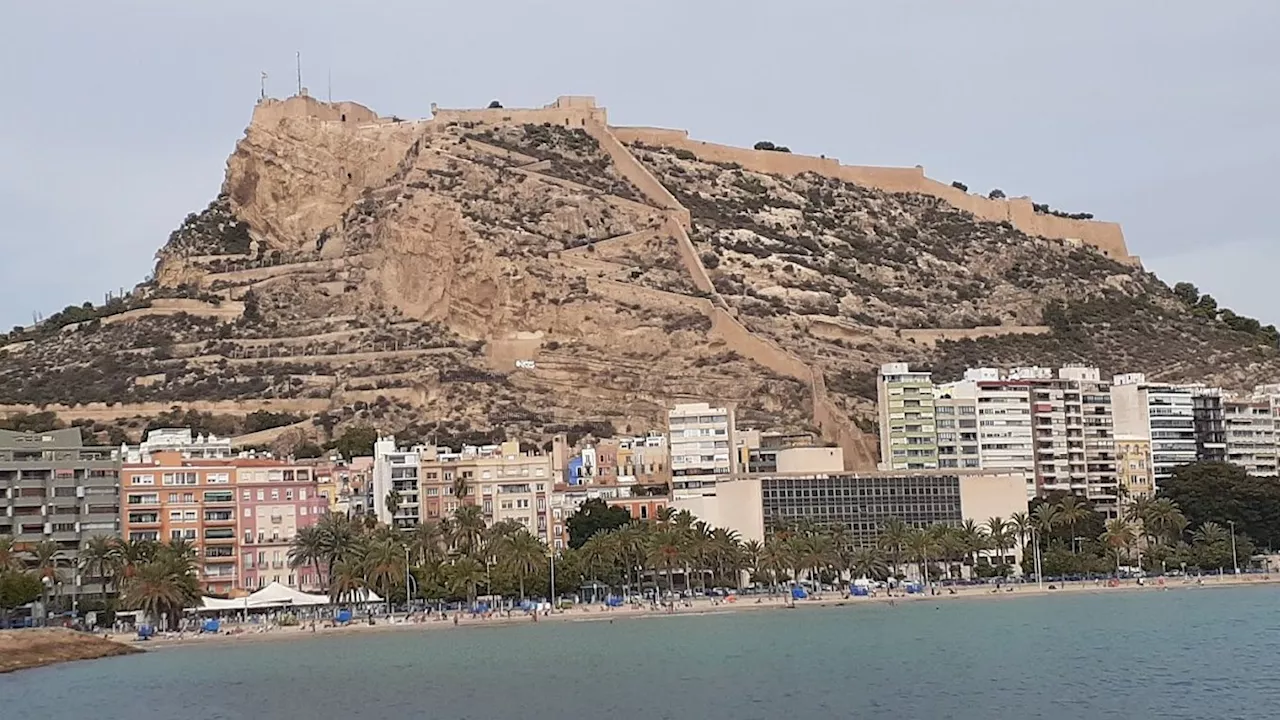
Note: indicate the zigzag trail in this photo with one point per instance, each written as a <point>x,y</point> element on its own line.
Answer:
<point>860,450</point>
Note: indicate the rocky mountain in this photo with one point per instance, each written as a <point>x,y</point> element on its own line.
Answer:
<point>525,272</point>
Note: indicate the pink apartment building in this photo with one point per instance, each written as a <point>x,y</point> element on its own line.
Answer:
<point>275,501</point>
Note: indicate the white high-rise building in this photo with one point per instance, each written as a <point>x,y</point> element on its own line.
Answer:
<point>700,438</point>
<point>396,470</point>
<point>1159,412</point>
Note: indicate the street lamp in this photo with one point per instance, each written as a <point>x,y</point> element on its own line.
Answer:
<point>407,602</point>
<point>1035,539</point>
<point>1234,562</point>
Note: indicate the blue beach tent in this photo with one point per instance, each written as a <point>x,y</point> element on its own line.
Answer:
<point>799,593</point>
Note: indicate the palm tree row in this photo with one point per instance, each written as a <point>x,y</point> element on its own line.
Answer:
<point>158,578</point>
<point>450,558</point>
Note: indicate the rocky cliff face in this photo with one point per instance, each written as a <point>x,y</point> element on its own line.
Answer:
<point>394,273</point>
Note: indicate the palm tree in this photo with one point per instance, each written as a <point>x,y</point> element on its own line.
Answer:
<point>868,562</point>
<point>463,575</point>
<point>1000,535</point>
<point>973,540</point>
<point>466,529</point>
<point>46,558</point>
<point>1023,526</point>
<point>1046,518</point>
<point>338,538</point>
<point>921,546</point>
<point>776,558</point>
<point>1070,512</point>
<point>306,549</point>
<point>164,585</point>
<point>631,540</point>
<point>893,539</point>
<point>816,553</point>
<point>428,541</point>
<point>10,559</point>
<point>1118,536</point>
<point>1164,519</point>
<point>346,580</point>
<point>383,562</point>
<point>667,550</point>
<point>524,553</point>
<point>100,558</point>
<point>392,501</point>
<point>752,555</point>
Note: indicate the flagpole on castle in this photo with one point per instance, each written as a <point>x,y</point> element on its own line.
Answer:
<point>298,58</point>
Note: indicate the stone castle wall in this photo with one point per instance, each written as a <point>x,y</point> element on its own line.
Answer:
<point>1105,236</point>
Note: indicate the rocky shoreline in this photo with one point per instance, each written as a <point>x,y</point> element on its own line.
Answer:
<point>30,648</point>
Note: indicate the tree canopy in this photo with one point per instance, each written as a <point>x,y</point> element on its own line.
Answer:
<point>593,517</point>
<point>355,441</point>
<point>1223,493</point>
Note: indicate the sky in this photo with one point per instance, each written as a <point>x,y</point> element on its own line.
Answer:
<point>1163,117</point>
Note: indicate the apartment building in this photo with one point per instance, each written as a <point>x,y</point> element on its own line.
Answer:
<point>1210,425</point>
<point>956,412</point>
<point>229,509</point>
<point>431,483</point>
<point>1250,429</point>
<point>908,436</point>
<point>701,442</point>
<point>1159,412</point>
<point>1133,464</point>
<point>1054,428</point>
<point>53,487</point>
<point>275,501</point>
<point>394,480</point>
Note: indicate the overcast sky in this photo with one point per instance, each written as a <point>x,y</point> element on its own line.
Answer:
<point>1162,116</point>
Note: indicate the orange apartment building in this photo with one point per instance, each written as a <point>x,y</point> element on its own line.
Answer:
<point>240,514</point>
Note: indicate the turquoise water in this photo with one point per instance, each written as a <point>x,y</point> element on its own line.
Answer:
<point>1196,653</point>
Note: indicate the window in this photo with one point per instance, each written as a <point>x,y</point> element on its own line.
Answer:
<point>248,512</point>
<point>246,495</point>
<point>144,479</point>
<point>188,497</point>
<point>217,478</point>
<point>302,511</point>
<point>173,497</point>
<point>302,494</point>
<point>262,495</point>
<point>275,494</point>
<point>288,495</point>
<point>180,478</point>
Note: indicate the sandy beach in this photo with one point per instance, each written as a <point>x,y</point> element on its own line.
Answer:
<point>700,606</point>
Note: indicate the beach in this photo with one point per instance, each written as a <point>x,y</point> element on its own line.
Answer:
<point>249,633</point>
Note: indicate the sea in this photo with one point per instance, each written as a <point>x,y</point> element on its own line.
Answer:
<point>1202,653</point>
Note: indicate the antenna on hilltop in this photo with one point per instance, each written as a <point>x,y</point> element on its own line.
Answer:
<point>262,92</point>
<point>330,85</point>
<point>298,57</point>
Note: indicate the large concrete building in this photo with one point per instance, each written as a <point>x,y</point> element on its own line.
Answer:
<point>753,504</point>
<point>1250,428</point>
<point>701,443</point>
<point>908,436</point>
<point>1161,413</point>
<point>55,488</point>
